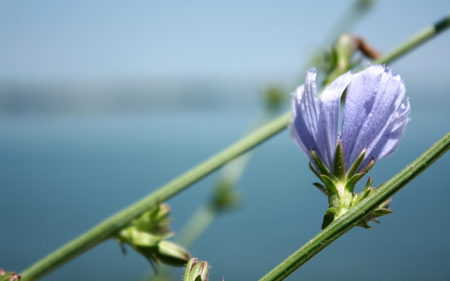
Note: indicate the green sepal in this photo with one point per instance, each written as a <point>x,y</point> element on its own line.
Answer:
<point>339,163</point>
<point>356,165</point>
<point>188,268</point>
<point>364,224</point>
<point>373,217</point>
<point>166,252</point>
<point>368,167</point>
<point>171,254</point>
<point>121,245</point>
<point>330,214</point>
<point>323,170</point>
<point>138,238</point>
<point>365,192</point>
<point>334,198</point>
<point>354,199</point>
<point>315,172</point>
<point>367,189</point>
<point>161,212</point>
<point>321,188</point>
<point>350,185</point>
<point>145,222</point>
<point>196,271</point>
<point>368,184</point>
<point>355,178</point>
<point>330,186</point>
<point>381,212</point>
<point>145,239</point>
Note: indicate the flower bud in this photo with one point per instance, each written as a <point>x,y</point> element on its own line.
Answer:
<point>155,220</point>
<point>196,270</point>
<point>225,196</point>
<point>11,276</point>
<point>146,235</point>
<point>274,97</point>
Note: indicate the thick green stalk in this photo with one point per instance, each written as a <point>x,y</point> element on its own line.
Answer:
<point>354,215</point>
<point>415,41</point>
<point>108,227</point>
<point>105,229</point>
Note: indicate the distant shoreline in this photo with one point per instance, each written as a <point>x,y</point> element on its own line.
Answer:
<point>122,96</point>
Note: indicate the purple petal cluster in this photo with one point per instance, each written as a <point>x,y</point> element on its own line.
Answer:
<point>374,116</point>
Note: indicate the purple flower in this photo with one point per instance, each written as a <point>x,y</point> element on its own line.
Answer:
<point>374,116</point>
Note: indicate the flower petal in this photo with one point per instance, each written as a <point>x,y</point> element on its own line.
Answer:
<point>373,98</point>
<point>390,140</point>
<point>305,110</point>
<point>330,102</point>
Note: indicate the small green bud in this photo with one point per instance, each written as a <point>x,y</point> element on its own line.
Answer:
<point>225,196</point>
<point>155,220</point>
<point>146,235</point>
<point>10,276</point>
<point>153,247</point>
<point>340,61</point>
<point>274,96</point>
<point>161,212</point>
<point>329,217</point>
<point>196,270</point>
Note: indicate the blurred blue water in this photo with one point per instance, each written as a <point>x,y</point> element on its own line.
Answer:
<point>60,175</point>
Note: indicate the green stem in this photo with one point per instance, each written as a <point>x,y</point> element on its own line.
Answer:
<point>205,214</point>
<point>354,215</point>
<point>105,229</point>
<point>416,40</point>
<point>108,227</point>
<point>197,225</point>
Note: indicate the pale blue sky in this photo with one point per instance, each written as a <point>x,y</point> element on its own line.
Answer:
<point>52,40</point>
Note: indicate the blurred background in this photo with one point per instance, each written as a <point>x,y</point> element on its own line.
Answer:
<point>102,102</point>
